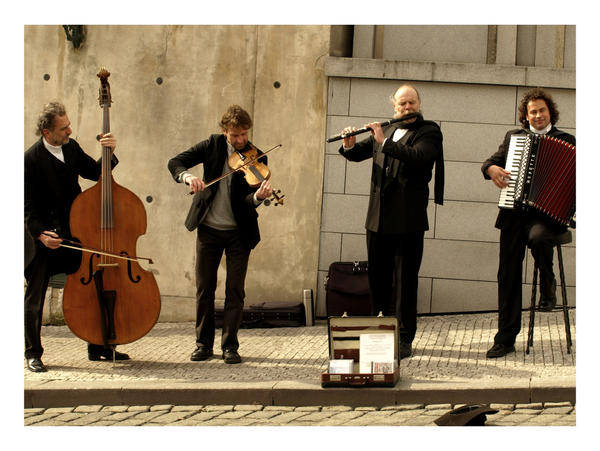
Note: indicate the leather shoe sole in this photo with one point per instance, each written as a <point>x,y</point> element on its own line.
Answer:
<point>231,357</point>
<point>499,350</point>
<point>36,366</point>
<point>108,355</point>
<point>201,354</point>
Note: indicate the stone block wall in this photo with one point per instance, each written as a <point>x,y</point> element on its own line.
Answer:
<point>460,260</point>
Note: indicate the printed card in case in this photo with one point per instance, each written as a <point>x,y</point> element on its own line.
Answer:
<point>376,348</point>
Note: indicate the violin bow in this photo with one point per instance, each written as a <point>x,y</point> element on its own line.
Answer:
<point>77,246</point>
<point>247,163</point>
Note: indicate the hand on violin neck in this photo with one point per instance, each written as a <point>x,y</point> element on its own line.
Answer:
<point>264,191</point>
<point>195,183</point>
<point>50,239</point>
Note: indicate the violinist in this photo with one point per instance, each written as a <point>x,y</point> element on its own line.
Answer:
<point>225,217</point>
<point>53,166</point>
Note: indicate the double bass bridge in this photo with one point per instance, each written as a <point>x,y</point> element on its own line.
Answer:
<point>86,281</point>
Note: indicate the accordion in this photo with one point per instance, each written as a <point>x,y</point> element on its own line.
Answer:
<point>542,177</point>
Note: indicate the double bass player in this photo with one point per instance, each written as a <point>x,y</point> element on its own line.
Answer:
<point>53,166</point>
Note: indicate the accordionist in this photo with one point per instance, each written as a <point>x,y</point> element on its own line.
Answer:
<point>538,114</point>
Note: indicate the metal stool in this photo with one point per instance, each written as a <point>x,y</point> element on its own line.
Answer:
<point>561,239</point>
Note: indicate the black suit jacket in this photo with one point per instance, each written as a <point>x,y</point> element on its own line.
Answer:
<point>506,217</point>
<point>51,186</point>
<point>398,199</point>
<point>212,153</point>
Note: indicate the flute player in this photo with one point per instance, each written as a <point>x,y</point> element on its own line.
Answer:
<point>403,158</point>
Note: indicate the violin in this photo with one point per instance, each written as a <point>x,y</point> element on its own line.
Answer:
<point>110,299</point>
<point>255,172</point>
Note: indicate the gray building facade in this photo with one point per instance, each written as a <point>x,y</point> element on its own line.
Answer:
<point>470,79</point>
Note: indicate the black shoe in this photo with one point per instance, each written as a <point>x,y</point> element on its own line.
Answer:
<point>201,353</point>
<point>405,350</point>
<point>36,365</point>
<point>547,305</point>
<point>231,356</point>
<point>499,350</point>
<point>107,354</point>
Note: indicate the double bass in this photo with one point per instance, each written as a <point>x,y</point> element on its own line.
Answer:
<point>110,299</point>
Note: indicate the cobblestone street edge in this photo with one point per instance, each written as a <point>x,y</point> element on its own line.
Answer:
<point>534,414</point>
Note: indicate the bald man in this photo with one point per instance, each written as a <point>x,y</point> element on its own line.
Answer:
<point>403,158</point>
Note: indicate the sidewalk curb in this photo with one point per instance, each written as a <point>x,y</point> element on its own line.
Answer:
<point>48,394</point>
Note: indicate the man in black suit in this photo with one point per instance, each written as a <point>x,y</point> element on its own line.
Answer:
<point>52,169</point>
<point>403,159</point>
<point>518,228</point>
<point>226,220</point>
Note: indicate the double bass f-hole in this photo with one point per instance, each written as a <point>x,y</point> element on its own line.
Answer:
<point>90,275</point>
<point>135,279</point>
<point>84,280</point>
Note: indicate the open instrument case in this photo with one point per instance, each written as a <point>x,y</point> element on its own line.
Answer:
<point>344,343</point>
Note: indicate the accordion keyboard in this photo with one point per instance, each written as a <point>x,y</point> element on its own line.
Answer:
<point>513,162</point>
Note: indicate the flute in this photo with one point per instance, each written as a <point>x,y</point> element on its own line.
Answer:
<point>366,129</point>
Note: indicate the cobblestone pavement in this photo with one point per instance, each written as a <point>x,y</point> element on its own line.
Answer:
<point>536,414</point>
<point>449,352</point>
<point>445,348</point>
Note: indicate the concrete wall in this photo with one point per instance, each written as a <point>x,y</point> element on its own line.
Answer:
<point>470,78</point>
<point>202,70</point>
<point>474,101</point>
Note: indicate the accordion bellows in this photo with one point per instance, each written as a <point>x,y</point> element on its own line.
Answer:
<point>542,177</point>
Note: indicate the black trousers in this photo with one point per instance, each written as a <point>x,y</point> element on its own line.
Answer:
<point>46,263</point>
<point>513,243</point>
<point>394,263</point>
<point>210,245</point>
<point>37,276</point>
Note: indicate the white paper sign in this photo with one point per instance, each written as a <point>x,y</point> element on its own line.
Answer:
<point>341,366</point>
<point>375,348</point>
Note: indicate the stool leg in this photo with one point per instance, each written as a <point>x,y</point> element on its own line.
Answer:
<point>564,298</point>
<point>532,309</point>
